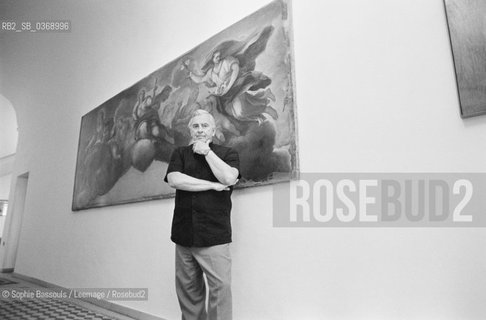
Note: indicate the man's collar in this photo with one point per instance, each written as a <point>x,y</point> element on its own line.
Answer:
<point>193,141</point>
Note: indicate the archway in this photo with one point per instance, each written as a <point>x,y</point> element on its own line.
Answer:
<point>8,147</point>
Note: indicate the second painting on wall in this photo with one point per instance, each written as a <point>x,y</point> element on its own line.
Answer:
<point>467,29</point>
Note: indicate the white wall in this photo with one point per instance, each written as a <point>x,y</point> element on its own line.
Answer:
<point>5,186</point>
<point>375,92</point>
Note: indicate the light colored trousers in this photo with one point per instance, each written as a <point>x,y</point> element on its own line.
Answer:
<point>215,263</point>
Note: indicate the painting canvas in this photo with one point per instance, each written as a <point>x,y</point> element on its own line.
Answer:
<point>243,76</point>
<point>468,38</point>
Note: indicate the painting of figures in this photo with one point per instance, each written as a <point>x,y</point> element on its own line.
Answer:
<point>243,76</point>
<point>468,39</point>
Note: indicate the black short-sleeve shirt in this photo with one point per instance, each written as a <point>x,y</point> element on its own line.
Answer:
<point>201,219</point>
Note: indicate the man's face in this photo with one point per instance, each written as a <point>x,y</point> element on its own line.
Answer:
<point>201,128</point>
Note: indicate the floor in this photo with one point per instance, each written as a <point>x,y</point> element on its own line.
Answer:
<point>12,307</point>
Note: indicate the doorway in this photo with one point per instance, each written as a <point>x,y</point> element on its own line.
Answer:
<point>13,225</point>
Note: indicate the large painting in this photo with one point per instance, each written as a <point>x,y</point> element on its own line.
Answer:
<point>466,19</point>
<point>243,76</point>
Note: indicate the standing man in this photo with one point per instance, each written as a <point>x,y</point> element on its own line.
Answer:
<point>203,174</point>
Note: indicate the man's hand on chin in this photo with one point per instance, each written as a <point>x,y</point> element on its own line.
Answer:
<point>201,147</point>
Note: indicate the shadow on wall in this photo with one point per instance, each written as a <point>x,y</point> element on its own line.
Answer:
<point>8,129</point>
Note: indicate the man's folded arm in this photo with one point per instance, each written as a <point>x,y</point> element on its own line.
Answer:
<point>225,174</point>
<point>185,182</point>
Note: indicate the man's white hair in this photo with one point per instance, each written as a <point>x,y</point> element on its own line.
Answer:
<point>200,112</point>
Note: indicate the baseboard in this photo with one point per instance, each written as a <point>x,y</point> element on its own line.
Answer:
<point>104,304</point>
<point>7,270</point>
